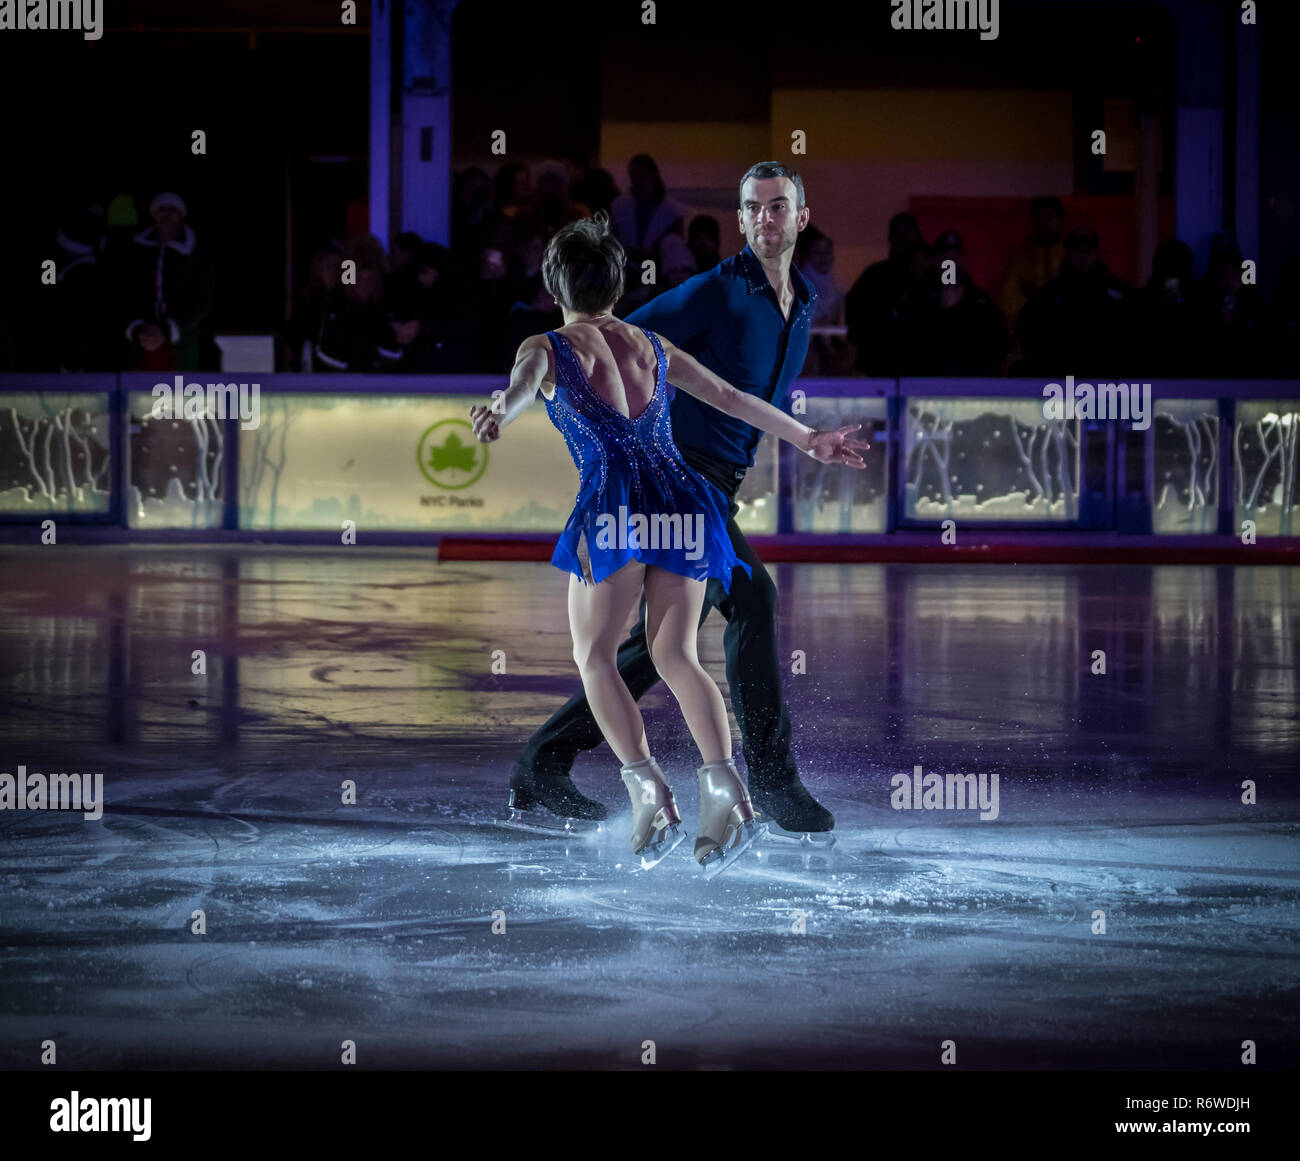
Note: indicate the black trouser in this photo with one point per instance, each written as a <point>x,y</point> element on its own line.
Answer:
<point>753,667</point>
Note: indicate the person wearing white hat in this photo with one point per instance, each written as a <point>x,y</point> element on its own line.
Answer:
<point>166,284</point>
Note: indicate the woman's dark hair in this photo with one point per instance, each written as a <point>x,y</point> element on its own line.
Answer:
<point>583,265</point>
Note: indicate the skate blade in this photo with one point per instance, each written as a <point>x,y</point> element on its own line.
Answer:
<point>553,825</point>
<point>821,840</point>
<point>717,861</point>
<point>655,853</point>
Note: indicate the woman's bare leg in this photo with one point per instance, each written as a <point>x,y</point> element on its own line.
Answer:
<point>672,621</point>
<point>598,619</point>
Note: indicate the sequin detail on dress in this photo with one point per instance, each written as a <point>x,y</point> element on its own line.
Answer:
<point>631,465</point>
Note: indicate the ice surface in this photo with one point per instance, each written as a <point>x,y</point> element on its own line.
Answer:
<point>374,922</point>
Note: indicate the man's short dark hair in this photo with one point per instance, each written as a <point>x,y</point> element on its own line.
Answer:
<point>765,169</point>
<point>1047,203</point>
<point>583,265</point>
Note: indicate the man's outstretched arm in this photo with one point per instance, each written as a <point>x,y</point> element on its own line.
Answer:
<point>825,446</point>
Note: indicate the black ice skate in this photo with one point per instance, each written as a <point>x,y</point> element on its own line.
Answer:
<point>551,804</point>
<point>794,815</point>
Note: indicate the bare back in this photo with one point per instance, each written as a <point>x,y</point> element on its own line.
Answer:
<point>618,361</point>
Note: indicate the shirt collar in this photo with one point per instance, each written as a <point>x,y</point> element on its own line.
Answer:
<point>756,280</point>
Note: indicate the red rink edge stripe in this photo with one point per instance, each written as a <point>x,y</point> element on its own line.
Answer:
<point>777,550</point>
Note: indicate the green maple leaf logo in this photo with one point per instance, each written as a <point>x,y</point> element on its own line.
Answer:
<point>452,455</point>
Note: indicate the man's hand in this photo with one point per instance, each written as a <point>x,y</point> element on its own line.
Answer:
<point>486,428</point>
<point>835,447</point>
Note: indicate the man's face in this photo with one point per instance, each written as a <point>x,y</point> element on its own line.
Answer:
<point>769,217</point>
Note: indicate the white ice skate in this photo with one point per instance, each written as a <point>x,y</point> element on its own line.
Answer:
<point>729,825</point>
<point>656,825</point>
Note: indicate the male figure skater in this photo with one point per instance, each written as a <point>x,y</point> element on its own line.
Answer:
<point>747,321</point>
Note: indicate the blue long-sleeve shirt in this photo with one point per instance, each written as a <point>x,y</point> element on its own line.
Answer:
<point>730,320</point>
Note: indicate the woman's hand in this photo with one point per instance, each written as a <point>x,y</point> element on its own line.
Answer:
<point>486,427</point>
<point>835,447</point>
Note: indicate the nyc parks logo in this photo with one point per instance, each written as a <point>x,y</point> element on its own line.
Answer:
<point>450,456</point>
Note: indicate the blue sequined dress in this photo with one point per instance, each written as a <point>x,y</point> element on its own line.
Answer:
<point>637,498</point>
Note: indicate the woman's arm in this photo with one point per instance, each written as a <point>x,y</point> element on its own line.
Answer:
<point>532,369</point>
<point>689,375</point>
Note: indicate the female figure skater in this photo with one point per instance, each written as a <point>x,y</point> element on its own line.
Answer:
<point>607,388</point>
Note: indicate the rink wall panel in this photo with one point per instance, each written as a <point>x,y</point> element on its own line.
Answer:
<point>955,463</point>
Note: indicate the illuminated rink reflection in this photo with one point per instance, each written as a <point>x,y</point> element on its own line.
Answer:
<point>1118,792</point>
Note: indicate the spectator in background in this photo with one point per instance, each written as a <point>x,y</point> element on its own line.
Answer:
<point>948,325</point>
<point>676,262</point>
<point>367,250</point>
<point>474,217</point>
<point>77,334</point>
<point>356,332</point>
<point>871,305</point>
<point>644,216</point>
<point>404,247</point>
<point>513,188</point>
<point>165,284</point>
<point>815,255</point>
<point>550,207</point>
<point>1080,323</point>
<point>705,240</point>
<point>589,185</point>
<point>533,311</point>
<point>1164,327</point>
<point>422,310</point>
<point>828,354</point>
<point>1034,263</point>
<point>321,294</point>
<point>641,220</point>
<point>1227,315</point>
<point>486,304</point>
<point>524,270</point>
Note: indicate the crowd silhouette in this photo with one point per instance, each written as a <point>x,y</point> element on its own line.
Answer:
<point>137,297</point>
